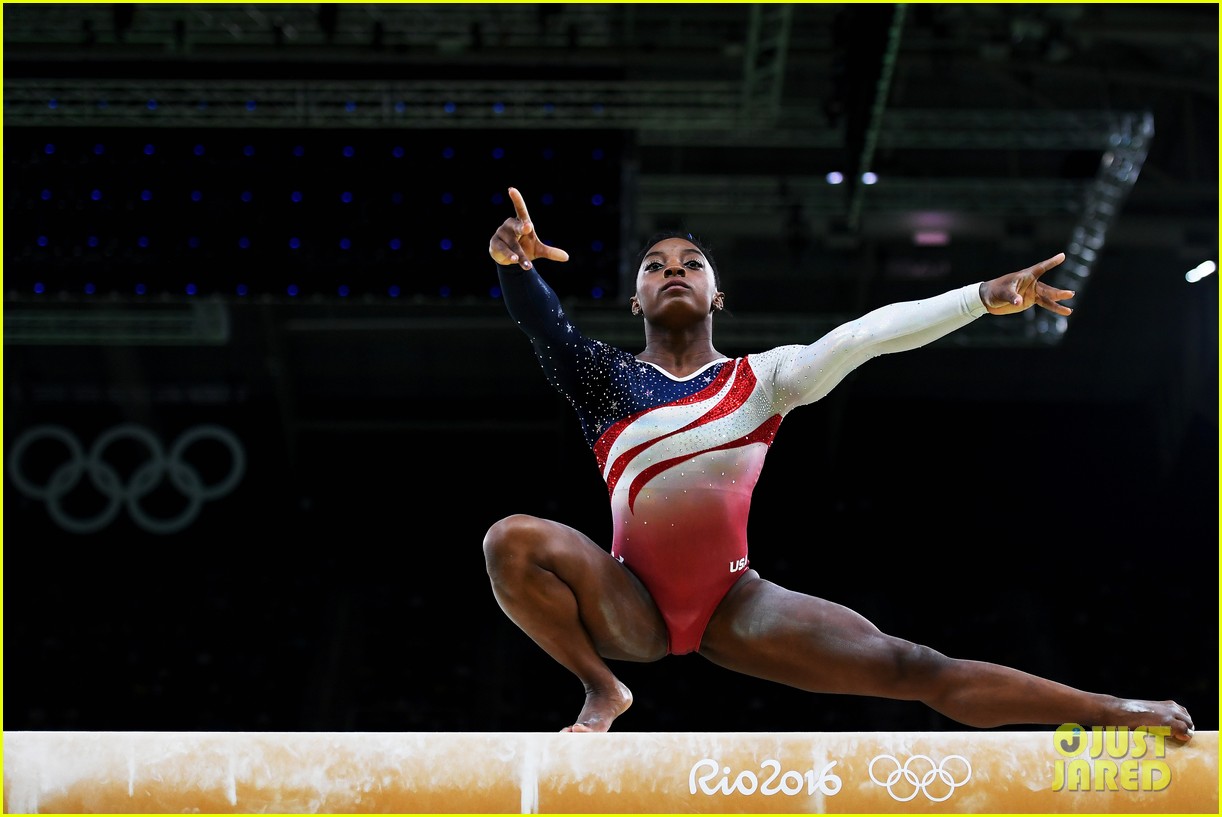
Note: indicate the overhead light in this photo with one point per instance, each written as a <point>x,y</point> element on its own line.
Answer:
<point>1205,268</point>
<point>931,238</point>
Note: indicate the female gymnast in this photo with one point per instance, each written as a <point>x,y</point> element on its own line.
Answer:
<point>679,432</point>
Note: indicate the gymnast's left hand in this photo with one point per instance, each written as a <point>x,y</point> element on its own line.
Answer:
<point>1019,291</point>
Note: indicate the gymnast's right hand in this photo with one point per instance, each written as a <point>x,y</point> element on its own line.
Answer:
<point>516,242</point>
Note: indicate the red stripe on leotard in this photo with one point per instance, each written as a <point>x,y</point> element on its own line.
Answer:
<point>764,434</point>
<point>738,393</point>
<point>603,446</point>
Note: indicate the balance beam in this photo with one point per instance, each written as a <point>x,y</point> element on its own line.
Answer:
<point>1042,772</point>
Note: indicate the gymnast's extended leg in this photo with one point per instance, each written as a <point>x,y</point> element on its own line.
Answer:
<point>766,631</point>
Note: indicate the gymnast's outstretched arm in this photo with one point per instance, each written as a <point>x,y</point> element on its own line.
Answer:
<point>804,374</point>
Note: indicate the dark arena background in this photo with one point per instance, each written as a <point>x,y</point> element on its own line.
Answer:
<point>262,399</point>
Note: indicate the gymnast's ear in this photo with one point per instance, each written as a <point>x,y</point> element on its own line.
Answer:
<point>636,305</point>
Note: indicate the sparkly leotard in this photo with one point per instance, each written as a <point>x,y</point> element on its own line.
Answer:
<point>681,455</point>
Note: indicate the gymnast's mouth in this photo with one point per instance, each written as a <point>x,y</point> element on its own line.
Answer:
<point>675,283</point>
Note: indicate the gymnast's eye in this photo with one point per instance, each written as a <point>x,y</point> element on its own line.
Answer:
<point>651,266</point>
<point>694,264</point>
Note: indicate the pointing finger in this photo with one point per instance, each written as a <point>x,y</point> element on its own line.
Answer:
<point>1043,266</point>
<point>519,204</point>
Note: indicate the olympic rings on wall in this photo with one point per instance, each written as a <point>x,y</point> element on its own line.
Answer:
<point>142,481</point>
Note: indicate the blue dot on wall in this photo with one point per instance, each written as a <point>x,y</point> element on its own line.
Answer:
<point>90,289</point>
<point>299,150</point>
<point>350,106</point>
<point>495,292</point>
<point>349,151</point>
<point>141,289</point>
<point>498,153</point>
<point>547,198</point>
<point>196,195</point>
<point>396,198</point>
<point>91,241</point>
<point>42,241</point>
<point>498,107</point>
<point>292,290</point>
<point>146,195</point>
<point>242,290</point>
<point>244,243</point>
<point>444,292</point>
<point>343,291</point>
<point>95,194</point>
<point>447,198</point>
<point>394,243</point>
<point>597,154</point>
<point>345,197</point>
<point>48,148</point>
<point>447,153</point>
<point>39,288</point>
<point>295,196</point>
<point>294,242</point>
<point>345,243</point>
<point>498,198</point>
<point>596,200</point>
<point>446,244</point>
<point>549,153</point>
<point>46,195</point>
<point>249,150</point>
<point>393,291</point>
<point>251,104</point>
<point>152,104</point>
<point>193,242</point>
<point>398,152</point>
<point>400,107</point>
<point>247,196</point>
<point>52,103</point>
<point>198,150</point>
<point>450,107</point>
<point>143,241</point>
<point>190,289</point>
<point>597,293</point>
<point>596,246</point>
<point>99,149</point>
<point>149,150</point>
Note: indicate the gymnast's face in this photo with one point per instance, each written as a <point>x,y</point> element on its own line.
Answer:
<point>675,282</point>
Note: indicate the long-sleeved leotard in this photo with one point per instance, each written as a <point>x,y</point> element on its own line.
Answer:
<point>681,456</point>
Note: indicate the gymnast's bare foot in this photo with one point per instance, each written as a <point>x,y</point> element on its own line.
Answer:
<point>1133,713</point>
<point>602,707</point>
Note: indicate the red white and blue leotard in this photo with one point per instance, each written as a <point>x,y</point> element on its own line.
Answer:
<point>681,456</point>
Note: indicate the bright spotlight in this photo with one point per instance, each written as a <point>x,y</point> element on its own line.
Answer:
<point>1205,268</point>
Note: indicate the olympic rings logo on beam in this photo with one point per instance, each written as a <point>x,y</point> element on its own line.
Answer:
<point>920,783</point>
<point>142,481</point>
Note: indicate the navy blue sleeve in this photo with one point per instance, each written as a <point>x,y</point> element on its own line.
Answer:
<point>533,304</point>
<point>559,345</point>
